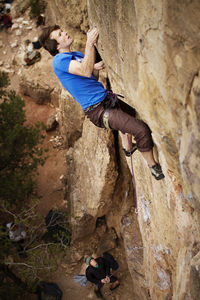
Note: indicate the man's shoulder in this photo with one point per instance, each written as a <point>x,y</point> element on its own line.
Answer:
<point>61,61</point>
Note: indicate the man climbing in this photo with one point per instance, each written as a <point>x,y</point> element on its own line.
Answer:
<point>78,74</point>
<point>98,272</point>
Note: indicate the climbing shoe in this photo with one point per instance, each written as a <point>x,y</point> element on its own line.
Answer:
<point>98,294</point>
<point>156,171</point>
<point>128,153</point>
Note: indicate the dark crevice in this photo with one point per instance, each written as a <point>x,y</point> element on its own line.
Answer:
<point>149,294</point>
<point>115,132</point>
<point>101,221</point>
<point>108,84</point>
<point>195,74</point>
<point>117,154</point>
<point>98,56</point>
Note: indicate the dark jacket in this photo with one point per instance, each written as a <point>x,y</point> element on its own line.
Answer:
<point>96,274</point>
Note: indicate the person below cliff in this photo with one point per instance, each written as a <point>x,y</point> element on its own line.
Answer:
<point>98,272</point>
<point>78,74</point>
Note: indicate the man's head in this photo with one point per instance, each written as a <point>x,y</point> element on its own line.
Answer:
<point>90,261</point>
<point>54,40</point>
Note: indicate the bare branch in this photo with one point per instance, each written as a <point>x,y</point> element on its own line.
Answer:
<point>9,212</point>
<point>38,246</point>
<point>26,265</point>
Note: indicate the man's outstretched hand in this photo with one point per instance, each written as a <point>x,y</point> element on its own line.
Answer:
<point>92,36</point>
<point>99,66</point>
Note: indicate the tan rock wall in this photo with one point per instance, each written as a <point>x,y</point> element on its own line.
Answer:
<point>152,53</point>
<point>91,177</point>
<point>71,118</point>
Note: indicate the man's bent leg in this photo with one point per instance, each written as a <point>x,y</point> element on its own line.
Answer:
<point>122,121</point>
<point>127,142</point>
<point>122,118</point>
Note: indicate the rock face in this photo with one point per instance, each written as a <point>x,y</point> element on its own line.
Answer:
<point>153,58</point>
<point>152,52</point>
<point>71,118</point>
<point>35,83</point>
<point>41,94</point>
<point>91,178</point>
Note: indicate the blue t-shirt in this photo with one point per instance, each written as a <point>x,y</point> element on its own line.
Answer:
<point>86,91</point>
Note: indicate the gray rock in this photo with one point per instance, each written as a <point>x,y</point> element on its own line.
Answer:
<point>18,32</point>
<point>83,226</point>
<point>15,26</point>
<point>40,94</point>
<point>14,44</point>
<point>107,242</point>
<point>195,282</point>
<point>51,123</point>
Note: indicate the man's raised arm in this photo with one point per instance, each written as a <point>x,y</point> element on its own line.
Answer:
<point>86,67</point>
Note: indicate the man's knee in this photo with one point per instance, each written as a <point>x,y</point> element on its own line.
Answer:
<point>143,131</point>
<point>143,138</point>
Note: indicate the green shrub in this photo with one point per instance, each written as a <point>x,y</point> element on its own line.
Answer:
<point>21,149</point>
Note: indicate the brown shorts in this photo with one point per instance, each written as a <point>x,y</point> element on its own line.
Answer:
<point>122,118</point>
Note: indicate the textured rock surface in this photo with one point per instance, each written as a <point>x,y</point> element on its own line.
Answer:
<point>153,58</point>
<point>71,118</point>
<point>91,176</point>
<point>40,93</point>
<point>35,82</point>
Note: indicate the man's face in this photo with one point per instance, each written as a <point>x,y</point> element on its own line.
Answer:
<point>62,38</point>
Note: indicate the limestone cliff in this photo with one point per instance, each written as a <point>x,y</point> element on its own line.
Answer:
<point>151,50</point>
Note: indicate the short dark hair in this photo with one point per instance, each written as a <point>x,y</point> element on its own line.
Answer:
<point>49,44</point>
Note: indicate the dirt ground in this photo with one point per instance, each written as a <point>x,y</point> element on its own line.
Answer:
<point>50,187</point>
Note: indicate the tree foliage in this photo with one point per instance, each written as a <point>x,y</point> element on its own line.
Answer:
<point>20,147</point>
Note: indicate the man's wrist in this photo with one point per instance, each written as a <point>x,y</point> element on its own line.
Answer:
<point>89,44</point>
